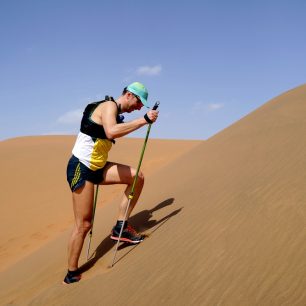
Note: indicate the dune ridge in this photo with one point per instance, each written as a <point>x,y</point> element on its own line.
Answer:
<point>226,226</point>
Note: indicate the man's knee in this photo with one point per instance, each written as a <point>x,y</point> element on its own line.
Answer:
<point>140,177</point>
<point>83,228</point>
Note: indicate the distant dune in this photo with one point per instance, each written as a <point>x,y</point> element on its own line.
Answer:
<point>225,219</point>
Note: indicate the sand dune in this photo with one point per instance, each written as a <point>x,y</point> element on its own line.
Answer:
<point>225,219</point>
<point>36,201</point>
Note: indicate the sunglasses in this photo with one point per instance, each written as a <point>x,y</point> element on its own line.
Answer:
<point>138,99</point>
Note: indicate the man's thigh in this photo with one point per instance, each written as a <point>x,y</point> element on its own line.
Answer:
<point>115,173</point>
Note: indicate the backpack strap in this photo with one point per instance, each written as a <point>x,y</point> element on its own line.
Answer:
<point>93,129</point>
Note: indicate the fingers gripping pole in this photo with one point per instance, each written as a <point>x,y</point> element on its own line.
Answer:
<point>92,220</point>
<point>131,195</point>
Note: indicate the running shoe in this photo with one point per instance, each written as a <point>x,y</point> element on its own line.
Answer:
<point>72,277</point>
<point>129,235</point>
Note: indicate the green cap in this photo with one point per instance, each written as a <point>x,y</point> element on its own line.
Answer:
<point>140,91</point>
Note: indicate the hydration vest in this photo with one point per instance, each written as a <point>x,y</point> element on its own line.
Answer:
<point>93,129</point>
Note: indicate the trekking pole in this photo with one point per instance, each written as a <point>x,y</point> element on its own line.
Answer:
<point>92,219</point>
<point>131,195</point>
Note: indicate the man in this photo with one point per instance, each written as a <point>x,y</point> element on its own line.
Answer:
<point>100,125</point>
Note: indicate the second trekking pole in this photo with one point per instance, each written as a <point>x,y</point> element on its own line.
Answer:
<point>131,195</point>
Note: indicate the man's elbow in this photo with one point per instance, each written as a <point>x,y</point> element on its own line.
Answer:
<point>110,133</point>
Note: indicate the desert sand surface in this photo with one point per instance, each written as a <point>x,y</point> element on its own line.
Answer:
<point>35,197</point>
<point>225,219</point>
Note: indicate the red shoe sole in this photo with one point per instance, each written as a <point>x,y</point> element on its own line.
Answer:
<point>125,240</point>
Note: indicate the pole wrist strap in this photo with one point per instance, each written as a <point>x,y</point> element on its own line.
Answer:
<point>147,118</point>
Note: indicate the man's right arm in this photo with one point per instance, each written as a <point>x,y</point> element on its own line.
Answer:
<point>112,128</point>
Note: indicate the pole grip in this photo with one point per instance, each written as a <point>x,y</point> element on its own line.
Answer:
<point>156,105</point>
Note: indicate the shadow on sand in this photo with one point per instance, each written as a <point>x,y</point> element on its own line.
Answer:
<point>142,222</point>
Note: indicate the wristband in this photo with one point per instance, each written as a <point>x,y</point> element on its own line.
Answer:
<point>148,119</point>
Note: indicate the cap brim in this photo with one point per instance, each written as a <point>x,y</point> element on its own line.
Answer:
<point>144,102</point>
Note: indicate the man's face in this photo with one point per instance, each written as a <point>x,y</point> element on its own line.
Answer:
<point>135,103</point>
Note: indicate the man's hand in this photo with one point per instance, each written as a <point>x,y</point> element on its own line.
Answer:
<point>151,116</point>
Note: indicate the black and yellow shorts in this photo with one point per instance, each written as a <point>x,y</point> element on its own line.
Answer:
<point>78,173</point>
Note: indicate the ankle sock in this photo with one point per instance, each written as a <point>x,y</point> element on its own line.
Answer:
<point>119,225</point>
<point>73,273</point>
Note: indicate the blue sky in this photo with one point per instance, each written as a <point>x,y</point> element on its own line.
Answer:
<point>208,62</point>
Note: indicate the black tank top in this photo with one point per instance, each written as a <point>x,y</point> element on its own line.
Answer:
<point>92,128</point>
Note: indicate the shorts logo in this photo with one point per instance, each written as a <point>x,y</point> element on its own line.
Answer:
<point>77,175</point>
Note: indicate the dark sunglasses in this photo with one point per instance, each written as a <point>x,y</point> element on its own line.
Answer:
<point>138,99</point>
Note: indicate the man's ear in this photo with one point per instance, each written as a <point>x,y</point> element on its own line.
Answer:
<point>129,95</point>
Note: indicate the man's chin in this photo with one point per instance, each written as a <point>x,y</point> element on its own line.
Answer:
<point>130,110</point>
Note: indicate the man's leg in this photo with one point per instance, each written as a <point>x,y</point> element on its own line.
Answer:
<point>82,207</point>
<point>121,174</point>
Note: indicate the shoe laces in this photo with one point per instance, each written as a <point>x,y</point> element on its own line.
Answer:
<point>132,230</point>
